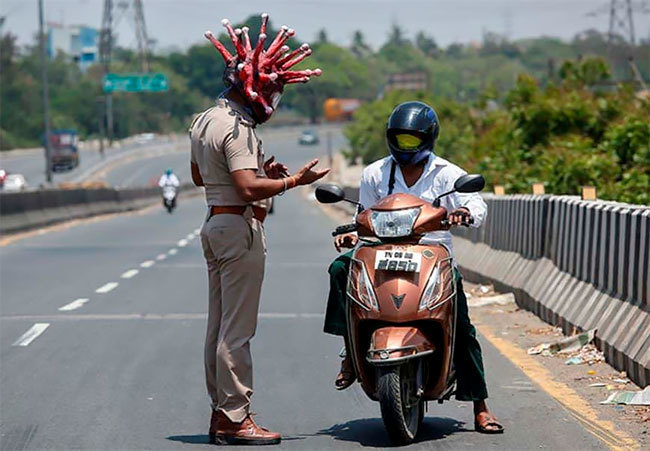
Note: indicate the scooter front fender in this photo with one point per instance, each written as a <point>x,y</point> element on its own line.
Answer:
<point>389,345</point>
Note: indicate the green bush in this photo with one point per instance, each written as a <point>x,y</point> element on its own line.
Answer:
<point>565,136</point>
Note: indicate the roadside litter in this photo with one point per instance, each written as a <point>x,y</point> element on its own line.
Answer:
<point>587,354</point>
<point>499,299</point>
<point>565,345</point>
<point>630,398</point>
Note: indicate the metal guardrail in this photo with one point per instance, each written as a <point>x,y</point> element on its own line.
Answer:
<point>606,244</point>
<point>31,209</point>
<point>574,264</point>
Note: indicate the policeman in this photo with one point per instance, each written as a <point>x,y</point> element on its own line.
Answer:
<point>228,160</point>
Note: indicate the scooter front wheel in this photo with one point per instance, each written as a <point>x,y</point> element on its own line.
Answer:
<point>401,410</point>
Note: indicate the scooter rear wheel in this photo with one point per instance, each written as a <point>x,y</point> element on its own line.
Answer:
<point>401,411</point>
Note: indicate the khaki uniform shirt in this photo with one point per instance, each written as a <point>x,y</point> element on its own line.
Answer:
<point>223,141</point>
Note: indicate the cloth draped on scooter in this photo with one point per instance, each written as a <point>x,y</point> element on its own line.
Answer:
<point>468,359</point>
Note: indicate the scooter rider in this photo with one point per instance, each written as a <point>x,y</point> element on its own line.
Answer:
<point>228,160</point>
<point>414,168</point>
<point>168,179</point>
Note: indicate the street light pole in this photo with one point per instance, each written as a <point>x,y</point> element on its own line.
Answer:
<point>46,94</point>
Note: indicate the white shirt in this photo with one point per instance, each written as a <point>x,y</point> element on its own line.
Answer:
<point>170,179</point>
<point>437,178</point>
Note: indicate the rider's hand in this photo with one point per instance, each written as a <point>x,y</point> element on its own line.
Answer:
<point>459,216</point>
<point>306,175</point>
<point>275,170</point>
<point>348,240</point>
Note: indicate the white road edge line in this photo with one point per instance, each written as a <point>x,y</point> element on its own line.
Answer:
<point>182,243</point>
<point>147,264</point>
<point>190,236</point>
<point>32,334</point>
<point>130,273</point>
<point>74,305</point>
<point>107,287</point>
<point>172,251</point>
<point>197,231</point>
<point>161,257</point>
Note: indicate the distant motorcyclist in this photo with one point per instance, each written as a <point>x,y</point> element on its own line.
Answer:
<point>169,184</point>
<point>168,179</point>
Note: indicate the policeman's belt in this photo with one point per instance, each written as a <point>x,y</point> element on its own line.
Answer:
<point>259,213</point>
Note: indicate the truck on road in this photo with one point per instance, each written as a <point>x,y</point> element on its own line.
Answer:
<point>64,153</point>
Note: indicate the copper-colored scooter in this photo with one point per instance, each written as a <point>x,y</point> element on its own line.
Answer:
<point>401,309</point>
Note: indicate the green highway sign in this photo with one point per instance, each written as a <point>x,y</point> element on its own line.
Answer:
<point>154,82</point>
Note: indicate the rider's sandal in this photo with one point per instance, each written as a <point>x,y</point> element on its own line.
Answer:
<point>485,420</point>
<point>346,376</point>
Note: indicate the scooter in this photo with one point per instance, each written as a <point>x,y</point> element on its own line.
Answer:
<point>401,309</point>
<point>169,197</point>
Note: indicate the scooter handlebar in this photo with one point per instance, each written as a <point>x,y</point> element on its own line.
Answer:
<point>347,228</point>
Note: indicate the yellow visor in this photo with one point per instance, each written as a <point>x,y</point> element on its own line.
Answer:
<point>408,142</point>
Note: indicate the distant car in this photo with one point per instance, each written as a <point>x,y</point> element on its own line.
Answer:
<point>144,138</point>
<point>308,138</point>
<point>3,175</point>
<point>14,182</point>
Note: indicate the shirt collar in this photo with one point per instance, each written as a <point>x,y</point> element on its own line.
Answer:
<point>239,109</point>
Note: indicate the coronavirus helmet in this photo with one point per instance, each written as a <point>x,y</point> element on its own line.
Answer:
<point>411,132</point>
<point>258,74</point>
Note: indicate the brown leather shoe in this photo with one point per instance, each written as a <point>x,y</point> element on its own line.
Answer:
<point>213,426</point>
<point>244,433</point>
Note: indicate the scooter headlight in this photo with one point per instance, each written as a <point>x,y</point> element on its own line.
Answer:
<point>440,286</point>
<point>392,224</point>
<point>359,288</point>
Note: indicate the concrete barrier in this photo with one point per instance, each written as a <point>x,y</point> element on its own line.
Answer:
<point>574,263</point>
<point>28,210</point>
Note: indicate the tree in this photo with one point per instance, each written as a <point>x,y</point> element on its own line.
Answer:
<point>397,36</point>
<point>359,46</point>
<point>321,37</point>
<point>426,44</point>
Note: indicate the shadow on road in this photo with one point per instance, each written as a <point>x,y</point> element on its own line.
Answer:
<point>371,432</point>
<point>197,439</point>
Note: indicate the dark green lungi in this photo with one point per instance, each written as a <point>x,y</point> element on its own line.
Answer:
<point>468,360</point>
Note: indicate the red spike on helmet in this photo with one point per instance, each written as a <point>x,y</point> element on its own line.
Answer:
<point>260,75</point>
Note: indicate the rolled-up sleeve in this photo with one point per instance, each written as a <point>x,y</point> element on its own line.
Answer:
<point>472,201</point>
<point>476,206</point>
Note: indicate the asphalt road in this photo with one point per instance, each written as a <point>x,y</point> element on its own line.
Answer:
<point>31,163</point>
<point>281,142</point>
<point>123,370</point>
<point>117,312</point>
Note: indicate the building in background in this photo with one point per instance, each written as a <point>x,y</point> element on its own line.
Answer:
<point>79,42</point>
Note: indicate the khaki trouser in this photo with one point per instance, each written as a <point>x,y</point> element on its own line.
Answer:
<point>234,247</point>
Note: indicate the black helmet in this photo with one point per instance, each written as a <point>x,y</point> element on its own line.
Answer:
<point>411,132</point>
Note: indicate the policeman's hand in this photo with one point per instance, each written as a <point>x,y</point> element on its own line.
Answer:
<point>348,240</point>
<point>275,170</point>
<point>459,216</point>
<point>307,175</point>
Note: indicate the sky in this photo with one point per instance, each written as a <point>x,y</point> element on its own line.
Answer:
<point>177,24</point>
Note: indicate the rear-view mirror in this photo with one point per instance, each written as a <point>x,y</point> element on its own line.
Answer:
<point>329,194</point>
<point>469,183</point>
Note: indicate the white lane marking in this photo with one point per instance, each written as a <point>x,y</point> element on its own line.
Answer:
<point>130,273</point>
<point>182,243</point>
<point>32,334</point>
<point>190,236</point>
<point>107,287</point>
<point>73,305</point>
<point>149,316</point>
<point>197,231</point>
<point>147,264</point>
<point>172,251</point>
<point>161,257</point>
